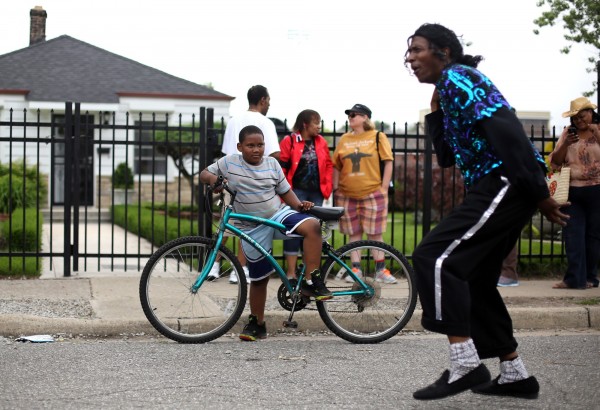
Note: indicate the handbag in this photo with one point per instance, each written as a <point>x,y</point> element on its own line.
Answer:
<point>558,185</point>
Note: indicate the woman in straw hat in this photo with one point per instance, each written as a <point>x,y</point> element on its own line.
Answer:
<point>579,149</point>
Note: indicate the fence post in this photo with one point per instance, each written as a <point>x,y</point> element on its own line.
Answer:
<point>67,187</point>
<point>202,164</point>
<point>75,189</point>
<point>427,185</point>
<point>212,142</point>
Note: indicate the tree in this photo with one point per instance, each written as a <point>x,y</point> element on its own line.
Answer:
<point>183,144</point>
<point>581,18</point>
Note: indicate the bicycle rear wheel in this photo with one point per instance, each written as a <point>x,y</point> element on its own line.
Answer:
<point>369,318</point>
<point>170,305</point>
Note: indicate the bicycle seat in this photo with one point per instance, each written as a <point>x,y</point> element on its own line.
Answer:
<point>327,214</point>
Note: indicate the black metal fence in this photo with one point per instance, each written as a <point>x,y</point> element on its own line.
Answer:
<point>87,227</point>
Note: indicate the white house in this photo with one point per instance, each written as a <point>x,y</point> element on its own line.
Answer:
<point>36,82</point>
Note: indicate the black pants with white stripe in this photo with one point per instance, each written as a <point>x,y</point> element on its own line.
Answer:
<point>458,265</point>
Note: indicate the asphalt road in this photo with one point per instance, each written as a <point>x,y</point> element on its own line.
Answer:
<point>284,371</point>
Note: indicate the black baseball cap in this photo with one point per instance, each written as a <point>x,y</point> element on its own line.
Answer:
<point>359,108</point>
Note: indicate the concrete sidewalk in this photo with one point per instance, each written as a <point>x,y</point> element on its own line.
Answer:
<point>104,300</point>
<point>105,304</point>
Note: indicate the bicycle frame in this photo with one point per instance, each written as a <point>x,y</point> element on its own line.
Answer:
<point>225,225</point>
<point>181,307</point>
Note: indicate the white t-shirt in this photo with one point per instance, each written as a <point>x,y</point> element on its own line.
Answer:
<point>235,125</point>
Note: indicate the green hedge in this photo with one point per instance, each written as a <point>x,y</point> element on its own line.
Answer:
<point>529,266</point>
<point>21,186</point>
<point>26,237</point>
<point>13,266</point>
<point>163,229</point>
<point>23,238</point>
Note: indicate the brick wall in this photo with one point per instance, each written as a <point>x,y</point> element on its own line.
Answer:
<point>179,187</point>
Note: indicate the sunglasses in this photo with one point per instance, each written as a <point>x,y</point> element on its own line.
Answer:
<point>354,114</point>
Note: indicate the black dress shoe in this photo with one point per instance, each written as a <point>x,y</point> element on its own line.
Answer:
<point>441,388</point>
<point>528,388</point>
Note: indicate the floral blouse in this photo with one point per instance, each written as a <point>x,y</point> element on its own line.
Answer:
<point>583,158</point>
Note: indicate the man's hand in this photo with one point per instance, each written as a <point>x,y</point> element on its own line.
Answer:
<point>551,210</point>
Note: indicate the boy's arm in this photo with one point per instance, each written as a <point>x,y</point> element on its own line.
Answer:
<point>292,200</point>
<point>207,177</point>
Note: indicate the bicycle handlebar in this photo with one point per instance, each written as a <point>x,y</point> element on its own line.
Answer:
<point>221,182</point>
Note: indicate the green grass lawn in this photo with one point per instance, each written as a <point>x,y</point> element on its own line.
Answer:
<point>537,258</point>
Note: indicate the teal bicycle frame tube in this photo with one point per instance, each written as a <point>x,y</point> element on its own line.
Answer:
<point>225,225</point>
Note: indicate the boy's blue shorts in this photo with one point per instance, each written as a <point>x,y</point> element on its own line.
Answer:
<point>258,265</point>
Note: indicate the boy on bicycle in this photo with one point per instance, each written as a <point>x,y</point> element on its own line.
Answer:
<point>260,185</point>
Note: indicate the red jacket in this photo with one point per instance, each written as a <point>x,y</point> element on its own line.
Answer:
<point>291,148</point>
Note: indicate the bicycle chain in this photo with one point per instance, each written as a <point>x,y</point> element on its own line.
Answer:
<point>306,307</point>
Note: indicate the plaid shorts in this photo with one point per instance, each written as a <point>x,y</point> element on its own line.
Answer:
<point>365,215</point>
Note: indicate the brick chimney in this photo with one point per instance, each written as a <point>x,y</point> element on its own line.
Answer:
<point>37,30</point>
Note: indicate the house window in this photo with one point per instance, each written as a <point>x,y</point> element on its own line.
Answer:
<point>148,160</point>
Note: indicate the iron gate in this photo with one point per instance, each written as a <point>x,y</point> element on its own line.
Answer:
<point>77,152</point>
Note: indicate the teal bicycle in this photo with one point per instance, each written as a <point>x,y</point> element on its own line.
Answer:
<point>183,305</point>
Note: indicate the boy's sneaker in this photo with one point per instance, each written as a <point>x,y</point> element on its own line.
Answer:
<point>318,289</point>
<point>384,276</point>
<point>357,272</point>
<point>507,282</point>
<point>233,278</point>
<point>214,272</point>
<point>253,331</point>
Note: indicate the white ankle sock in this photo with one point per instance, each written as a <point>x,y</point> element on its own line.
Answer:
<point>463,359</point>
<point>512,371</point>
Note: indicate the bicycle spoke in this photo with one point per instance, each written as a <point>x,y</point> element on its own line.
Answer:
<point>374,317</point>
<point>167,297</point>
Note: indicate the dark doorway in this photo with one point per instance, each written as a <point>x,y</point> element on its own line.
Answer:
<point>85,166</point>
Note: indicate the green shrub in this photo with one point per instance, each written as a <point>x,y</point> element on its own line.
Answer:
<point>16,266</point>
<point>122,177</point>
<point>13,178</point>
<point>24,237</point>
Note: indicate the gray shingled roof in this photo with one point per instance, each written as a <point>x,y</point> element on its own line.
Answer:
<point>67,69</point>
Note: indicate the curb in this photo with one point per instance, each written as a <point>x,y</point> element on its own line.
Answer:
<point>523,318</point>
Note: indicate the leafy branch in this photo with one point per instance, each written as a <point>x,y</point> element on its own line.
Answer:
<point>581,19</point>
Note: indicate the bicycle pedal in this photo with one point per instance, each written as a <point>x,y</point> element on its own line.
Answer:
<point>291,324</point>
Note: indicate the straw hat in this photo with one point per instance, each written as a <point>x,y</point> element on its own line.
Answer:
<point>577,105</point>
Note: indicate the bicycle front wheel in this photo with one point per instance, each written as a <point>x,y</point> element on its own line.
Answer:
<point>377,315</point>
<point>171,306</point>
